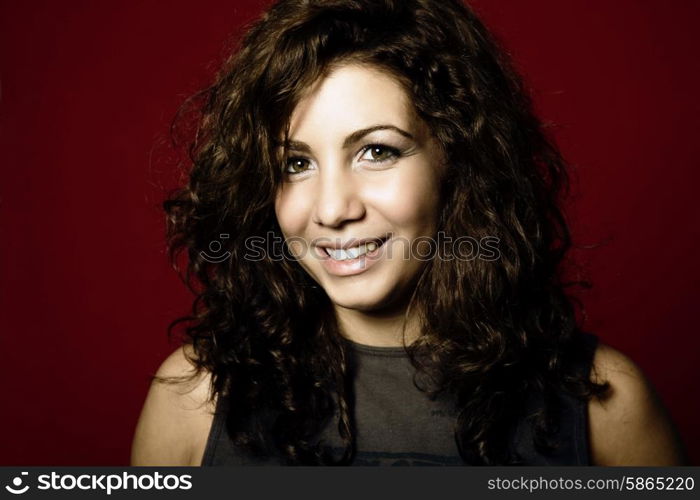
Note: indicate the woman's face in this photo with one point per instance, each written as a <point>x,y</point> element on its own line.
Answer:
<point>361,166</point>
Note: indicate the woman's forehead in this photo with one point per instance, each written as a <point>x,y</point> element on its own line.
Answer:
<point>353,96</point>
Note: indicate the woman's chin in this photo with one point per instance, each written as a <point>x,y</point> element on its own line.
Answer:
<point>355,305</point>
<point>358,302</point>
<point>375,301</point>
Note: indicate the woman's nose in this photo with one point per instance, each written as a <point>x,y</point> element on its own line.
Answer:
<point>338,199</point>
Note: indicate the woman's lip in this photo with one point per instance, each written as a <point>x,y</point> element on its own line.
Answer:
<point>355,243</point>
<point>351,267</point>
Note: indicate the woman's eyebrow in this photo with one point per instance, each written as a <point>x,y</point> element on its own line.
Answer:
<point>351,139</point>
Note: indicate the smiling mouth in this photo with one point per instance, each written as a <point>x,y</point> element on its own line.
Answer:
<point>356,252</point>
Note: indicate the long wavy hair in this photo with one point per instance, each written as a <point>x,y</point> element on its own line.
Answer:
<point>492,331</point>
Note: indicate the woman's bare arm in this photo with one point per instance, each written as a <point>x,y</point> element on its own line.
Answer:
<point>630,426</point>
<point>175,419</point>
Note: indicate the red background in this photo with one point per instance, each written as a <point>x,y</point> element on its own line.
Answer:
<point>89,89</point>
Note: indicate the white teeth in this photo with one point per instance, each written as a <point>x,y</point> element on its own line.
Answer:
<point>351,253</point>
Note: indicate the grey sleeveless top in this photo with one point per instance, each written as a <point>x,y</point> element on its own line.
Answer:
<point>397,424</point>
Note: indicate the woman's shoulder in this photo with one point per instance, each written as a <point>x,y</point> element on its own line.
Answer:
<point>629,425</point>
<point>177,414</point>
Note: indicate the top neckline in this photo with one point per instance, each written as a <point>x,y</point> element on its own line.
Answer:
<point>388,351</point>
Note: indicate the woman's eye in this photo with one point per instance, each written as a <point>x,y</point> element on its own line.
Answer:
<point>374,153</point>
<point>296,165</point>
<point>378,153</point>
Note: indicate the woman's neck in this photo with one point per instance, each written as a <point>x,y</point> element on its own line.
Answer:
<point>377,328</point>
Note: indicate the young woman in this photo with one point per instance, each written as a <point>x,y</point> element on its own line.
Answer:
<point>415,313</point>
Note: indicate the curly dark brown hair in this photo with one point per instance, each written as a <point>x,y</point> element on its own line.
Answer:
<point>492,331</point>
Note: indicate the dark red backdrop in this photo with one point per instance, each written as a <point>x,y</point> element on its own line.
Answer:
<point>88,91</point>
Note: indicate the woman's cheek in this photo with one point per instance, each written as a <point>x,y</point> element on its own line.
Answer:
<point>413,199</point>
<point>292,211</point>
